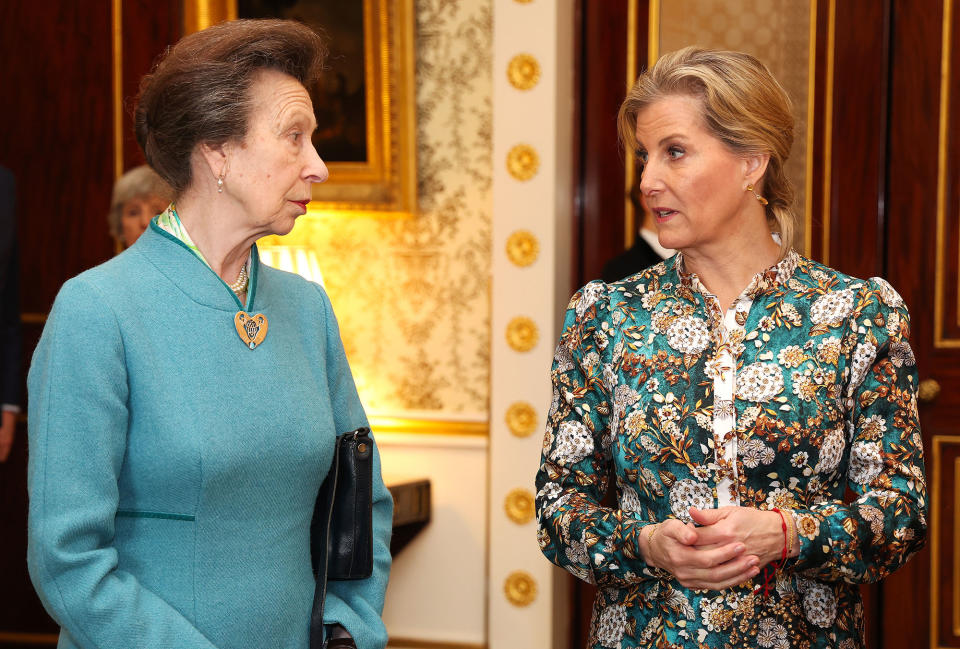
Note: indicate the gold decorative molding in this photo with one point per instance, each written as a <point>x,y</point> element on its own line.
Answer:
<point>955,586</point>
<point>523,162</point>
<point>33,318</point>
<point>521,419</point>
<point>200,14</point>
<point>523,2</point>
<point>117,51</point>
<point>385,184</point>
<point>811,139</point>
<point>523,72</point>
<point>49,639</point>
<point>522,334</point>
<point>936,476</point>
<point>940,273</point>
<point>520,588</point>
<point>828,131</point>
<point>519,505</point>
<point>629,168</point>
<point>408,426</point>
<point>414,643</point>
<point>522,248</point>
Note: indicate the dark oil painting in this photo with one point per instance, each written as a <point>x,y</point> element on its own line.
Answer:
<point>339,98</point>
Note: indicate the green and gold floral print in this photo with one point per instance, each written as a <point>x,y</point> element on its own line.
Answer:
<point>804,388</point>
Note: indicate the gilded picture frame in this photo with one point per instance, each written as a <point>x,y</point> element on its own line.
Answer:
<point>385,183</point>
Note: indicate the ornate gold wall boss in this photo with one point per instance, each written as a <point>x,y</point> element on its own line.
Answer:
<point>523,162</point>
<point>523,72</point>
<point>521,419</point>
<point>522,248</point>
<point>519,505</point>
<point>520,588</point>
<point>522,334</point>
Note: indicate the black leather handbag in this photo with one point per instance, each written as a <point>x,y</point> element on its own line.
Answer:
<point>341,534</point>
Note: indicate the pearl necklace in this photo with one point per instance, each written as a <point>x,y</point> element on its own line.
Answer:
<point>240,286</point>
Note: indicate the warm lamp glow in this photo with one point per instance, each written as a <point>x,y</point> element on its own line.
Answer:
<point>295,259</point>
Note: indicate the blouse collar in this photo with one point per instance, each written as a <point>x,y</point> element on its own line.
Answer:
<point>762,282</point>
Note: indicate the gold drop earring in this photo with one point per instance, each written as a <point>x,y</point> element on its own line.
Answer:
<point>760,198</point>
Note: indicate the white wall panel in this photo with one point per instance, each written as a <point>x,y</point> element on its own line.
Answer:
<point>540,117</point>
<point>438,582</point>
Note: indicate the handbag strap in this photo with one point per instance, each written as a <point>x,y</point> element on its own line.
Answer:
<point>325,503</point>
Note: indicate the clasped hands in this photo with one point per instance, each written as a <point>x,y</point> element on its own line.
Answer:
<point>730,546</point>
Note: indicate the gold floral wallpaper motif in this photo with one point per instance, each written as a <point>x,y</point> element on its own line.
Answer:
<point>775,31</point>
<point>412,294</point>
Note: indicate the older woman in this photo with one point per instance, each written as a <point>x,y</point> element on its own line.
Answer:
<point>733,393</point>
<point>184,399</point>
<point>138,196</point>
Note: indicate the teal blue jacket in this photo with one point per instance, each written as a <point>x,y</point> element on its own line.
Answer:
<point>173,471</point>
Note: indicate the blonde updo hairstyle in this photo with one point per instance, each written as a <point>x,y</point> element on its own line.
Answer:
<point>742,105</point>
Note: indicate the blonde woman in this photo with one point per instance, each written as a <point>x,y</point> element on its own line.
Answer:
<point>732,394</point>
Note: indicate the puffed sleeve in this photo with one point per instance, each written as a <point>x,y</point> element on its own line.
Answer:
<point>357,605</point>
<point>869,538</point>
<point>77,436</point>
<point>595,543</point>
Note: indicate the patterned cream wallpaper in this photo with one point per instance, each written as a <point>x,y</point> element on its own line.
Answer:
<point>412,295</point>
<point>775,31</point>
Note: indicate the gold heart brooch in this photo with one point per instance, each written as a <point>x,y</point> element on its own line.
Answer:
<point>252,329</point>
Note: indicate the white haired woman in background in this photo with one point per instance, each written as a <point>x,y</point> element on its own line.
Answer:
<point>138,196</point>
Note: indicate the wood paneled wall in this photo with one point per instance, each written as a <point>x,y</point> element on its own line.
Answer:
<point>602,74</point>
<point>854,174</point>
<point>885,201</point>
<point>921,247</point>
<point>57,136</point>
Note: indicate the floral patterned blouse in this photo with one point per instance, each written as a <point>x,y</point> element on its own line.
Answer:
<point>803,389</point>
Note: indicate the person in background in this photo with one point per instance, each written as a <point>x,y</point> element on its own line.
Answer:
<point>732,397</point>
<point>185,399</point>
<point>646,249</point>
<point>138,196</point>
<point>10,377</point>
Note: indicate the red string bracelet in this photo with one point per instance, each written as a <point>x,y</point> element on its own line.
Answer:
<point>783,522</point>
<point>770,570</point>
